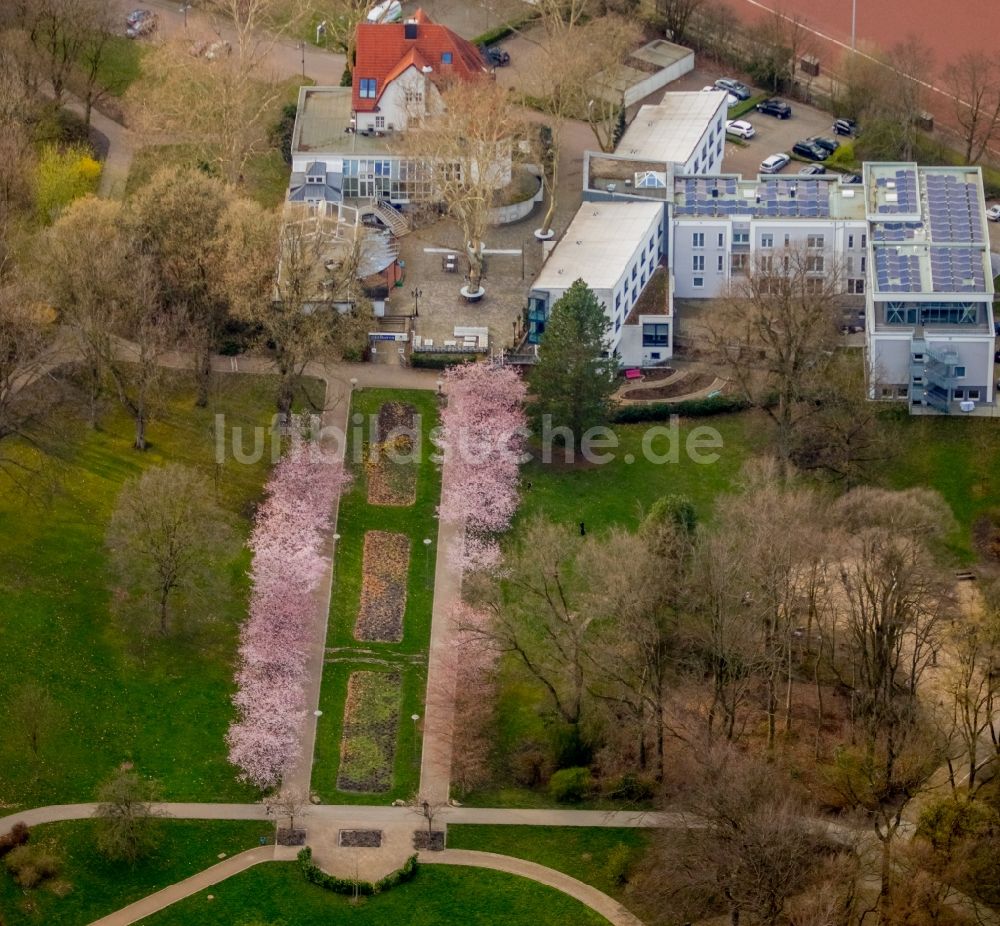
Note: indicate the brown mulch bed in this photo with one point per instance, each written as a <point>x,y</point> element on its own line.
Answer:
<point>686,384</point>
<point>360,839</point>
<point>391,470</point>
<point>383,587</point>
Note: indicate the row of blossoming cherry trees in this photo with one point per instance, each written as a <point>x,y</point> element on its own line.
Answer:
<point>481,443</point>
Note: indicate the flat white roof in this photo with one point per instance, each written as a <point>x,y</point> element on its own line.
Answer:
<point>599,245</point>
<point>672,129</point>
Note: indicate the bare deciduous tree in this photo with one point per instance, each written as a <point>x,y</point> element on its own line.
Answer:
<point>166,534</point>
<point>127,828</point>
<point>466,151</point>
<point>974,83</point>
<point>676,16</point>
<point>775,334</point>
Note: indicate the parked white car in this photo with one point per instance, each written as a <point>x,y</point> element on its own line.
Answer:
<point>740,128</point>
<point>774,163</point>
<point>993,213</point>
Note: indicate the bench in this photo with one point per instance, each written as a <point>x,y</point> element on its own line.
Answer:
<point>633,373</point>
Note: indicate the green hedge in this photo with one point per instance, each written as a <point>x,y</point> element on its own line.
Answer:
<point>315,875</point>
<point>497,33</point>
<point>439,361</point>
<point>741,109</point>
<point>689,408</point>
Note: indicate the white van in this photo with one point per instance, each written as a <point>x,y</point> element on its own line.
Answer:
<point>388,11</point>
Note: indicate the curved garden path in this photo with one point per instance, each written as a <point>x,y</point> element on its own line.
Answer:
<point>598,901</point>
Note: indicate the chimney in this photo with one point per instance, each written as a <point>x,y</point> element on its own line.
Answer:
<point>410,29</point>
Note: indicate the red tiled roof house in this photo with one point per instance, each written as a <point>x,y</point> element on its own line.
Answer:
<point>401,66</point>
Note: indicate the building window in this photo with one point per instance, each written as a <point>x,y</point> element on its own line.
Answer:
<point>849,266</point>
<point>655,335</point>
<point>887,392</point>
<point>856,287</point>
<point>698,240</point>
<point>654,355</point>
<point>380,122</point>
<point>815,241</point>
<point>618,325</point>
<point>698,282</point>
<point>618,300</point>
<point>633,271</point>
<point>413,96</point>
<point>959,394</point>
<point>959,372</point>
<point>722,265</point>
<point>788,240</point>
<point>850,241</point>
<point>864,262</point>
<point>368,85</point>
<point>767,241</point>
<point>698,262</point>
<point>739,262</point>
<point>815,264</point>
<point>864,240</point>
<point>722,239</point>
<point>741,237</point>
<point>446,57</point>
<point>766,264</point>
<point>902,392</point>
<point>974,394</point>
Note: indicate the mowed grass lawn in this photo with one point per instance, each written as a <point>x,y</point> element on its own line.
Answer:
<point>97,887</point>
<point>356,517</point>
<point>600,856</point>
<point>120,692</point>
<point>276,894</point>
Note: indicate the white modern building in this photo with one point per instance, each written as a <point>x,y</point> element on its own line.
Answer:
<point>615,248</point>
<point>929,312</point>
<point>685,130</point>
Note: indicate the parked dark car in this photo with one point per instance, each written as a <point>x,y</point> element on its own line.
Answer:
<point>810,150</point>
<point>812,170</point>
<point>845,127</point>
<point>772,107</point>
<point>852,178</point>
<point>737,88</point>
<point>495,57</point>
<point>831,144</point>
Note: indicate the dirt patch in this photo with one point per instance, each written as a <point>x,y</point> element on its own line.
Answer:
<point>360,839</point>
<point>371,719</point>
<point>693,382</point>
<point>383,587</point>
<point>424,840</point>
<point>390,465</point>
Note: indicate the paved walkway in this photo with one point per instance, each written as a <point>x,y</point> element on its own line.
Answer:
<point>607,906</point>
<point>170,895</point>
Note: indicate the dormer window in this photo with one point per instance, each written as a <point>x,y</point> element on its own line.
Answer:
<point>315,178</point>
<point>446,57</point>
<point>368,85</point>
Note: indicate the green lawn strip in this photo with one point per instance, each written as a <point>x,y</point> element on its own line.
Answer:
<point>585,853</point>
<point>120,692</point>
<point>957,457</point>
<point>99,887</point>
<point>617,493</point>
<point>120,65</point>
<point>276,894</point>
<point>371,728</point>
<point>355,518</point>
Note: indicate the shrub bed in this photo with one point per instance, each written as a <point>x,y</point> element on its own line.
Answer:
<point>371,718</point>
<point>389,462</point>
<point>692,408</point>
<point>440,361</point>
<point>315,875</point>
<point>383,587</point>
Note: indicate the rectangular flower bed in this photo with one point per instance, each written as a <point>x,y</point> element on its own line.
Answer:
<point>383,587</point>
<point>391,469</point>
<point>371,720</point>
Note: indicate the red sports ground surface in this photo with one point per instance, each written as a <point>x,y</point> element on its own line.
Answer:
<point>949,28</point>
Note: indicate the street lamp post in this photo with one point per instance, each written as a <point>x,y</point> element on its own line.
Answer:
<point>302,49</point>
<point>427,559</point>
<point>854,23</point>
<point>415,718</point>
<point>184,9</point>
<point>416,293</point>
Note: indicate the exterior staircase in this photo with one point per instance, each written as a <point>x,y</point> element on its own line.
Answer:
<point>391,217</point>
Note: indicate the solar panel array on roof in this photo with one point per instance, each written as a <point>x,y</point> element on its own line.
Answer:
<point>953,209</point>
<point>902,189</point>
<point>772,197</point>
<point>957,270</point>
<point>895,231</point>
<point>897,272</point>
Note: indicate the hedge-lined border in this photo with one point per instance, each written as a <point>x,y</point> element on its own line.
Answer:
<point>689,408</point>
<point>315,875</point>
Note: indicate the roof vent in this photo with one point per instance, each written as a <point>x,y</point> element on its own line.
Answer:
<point>410,29</point>
<point>579,242</point>
<point>426,69</point>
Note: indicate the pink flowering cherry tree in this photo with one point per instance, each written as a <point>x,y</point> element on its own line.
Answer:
<point>287,540</point>
<point>481,439</point>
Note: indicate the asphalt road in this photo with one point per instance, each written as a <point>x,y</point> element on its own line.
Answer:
<point>286,57</point>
